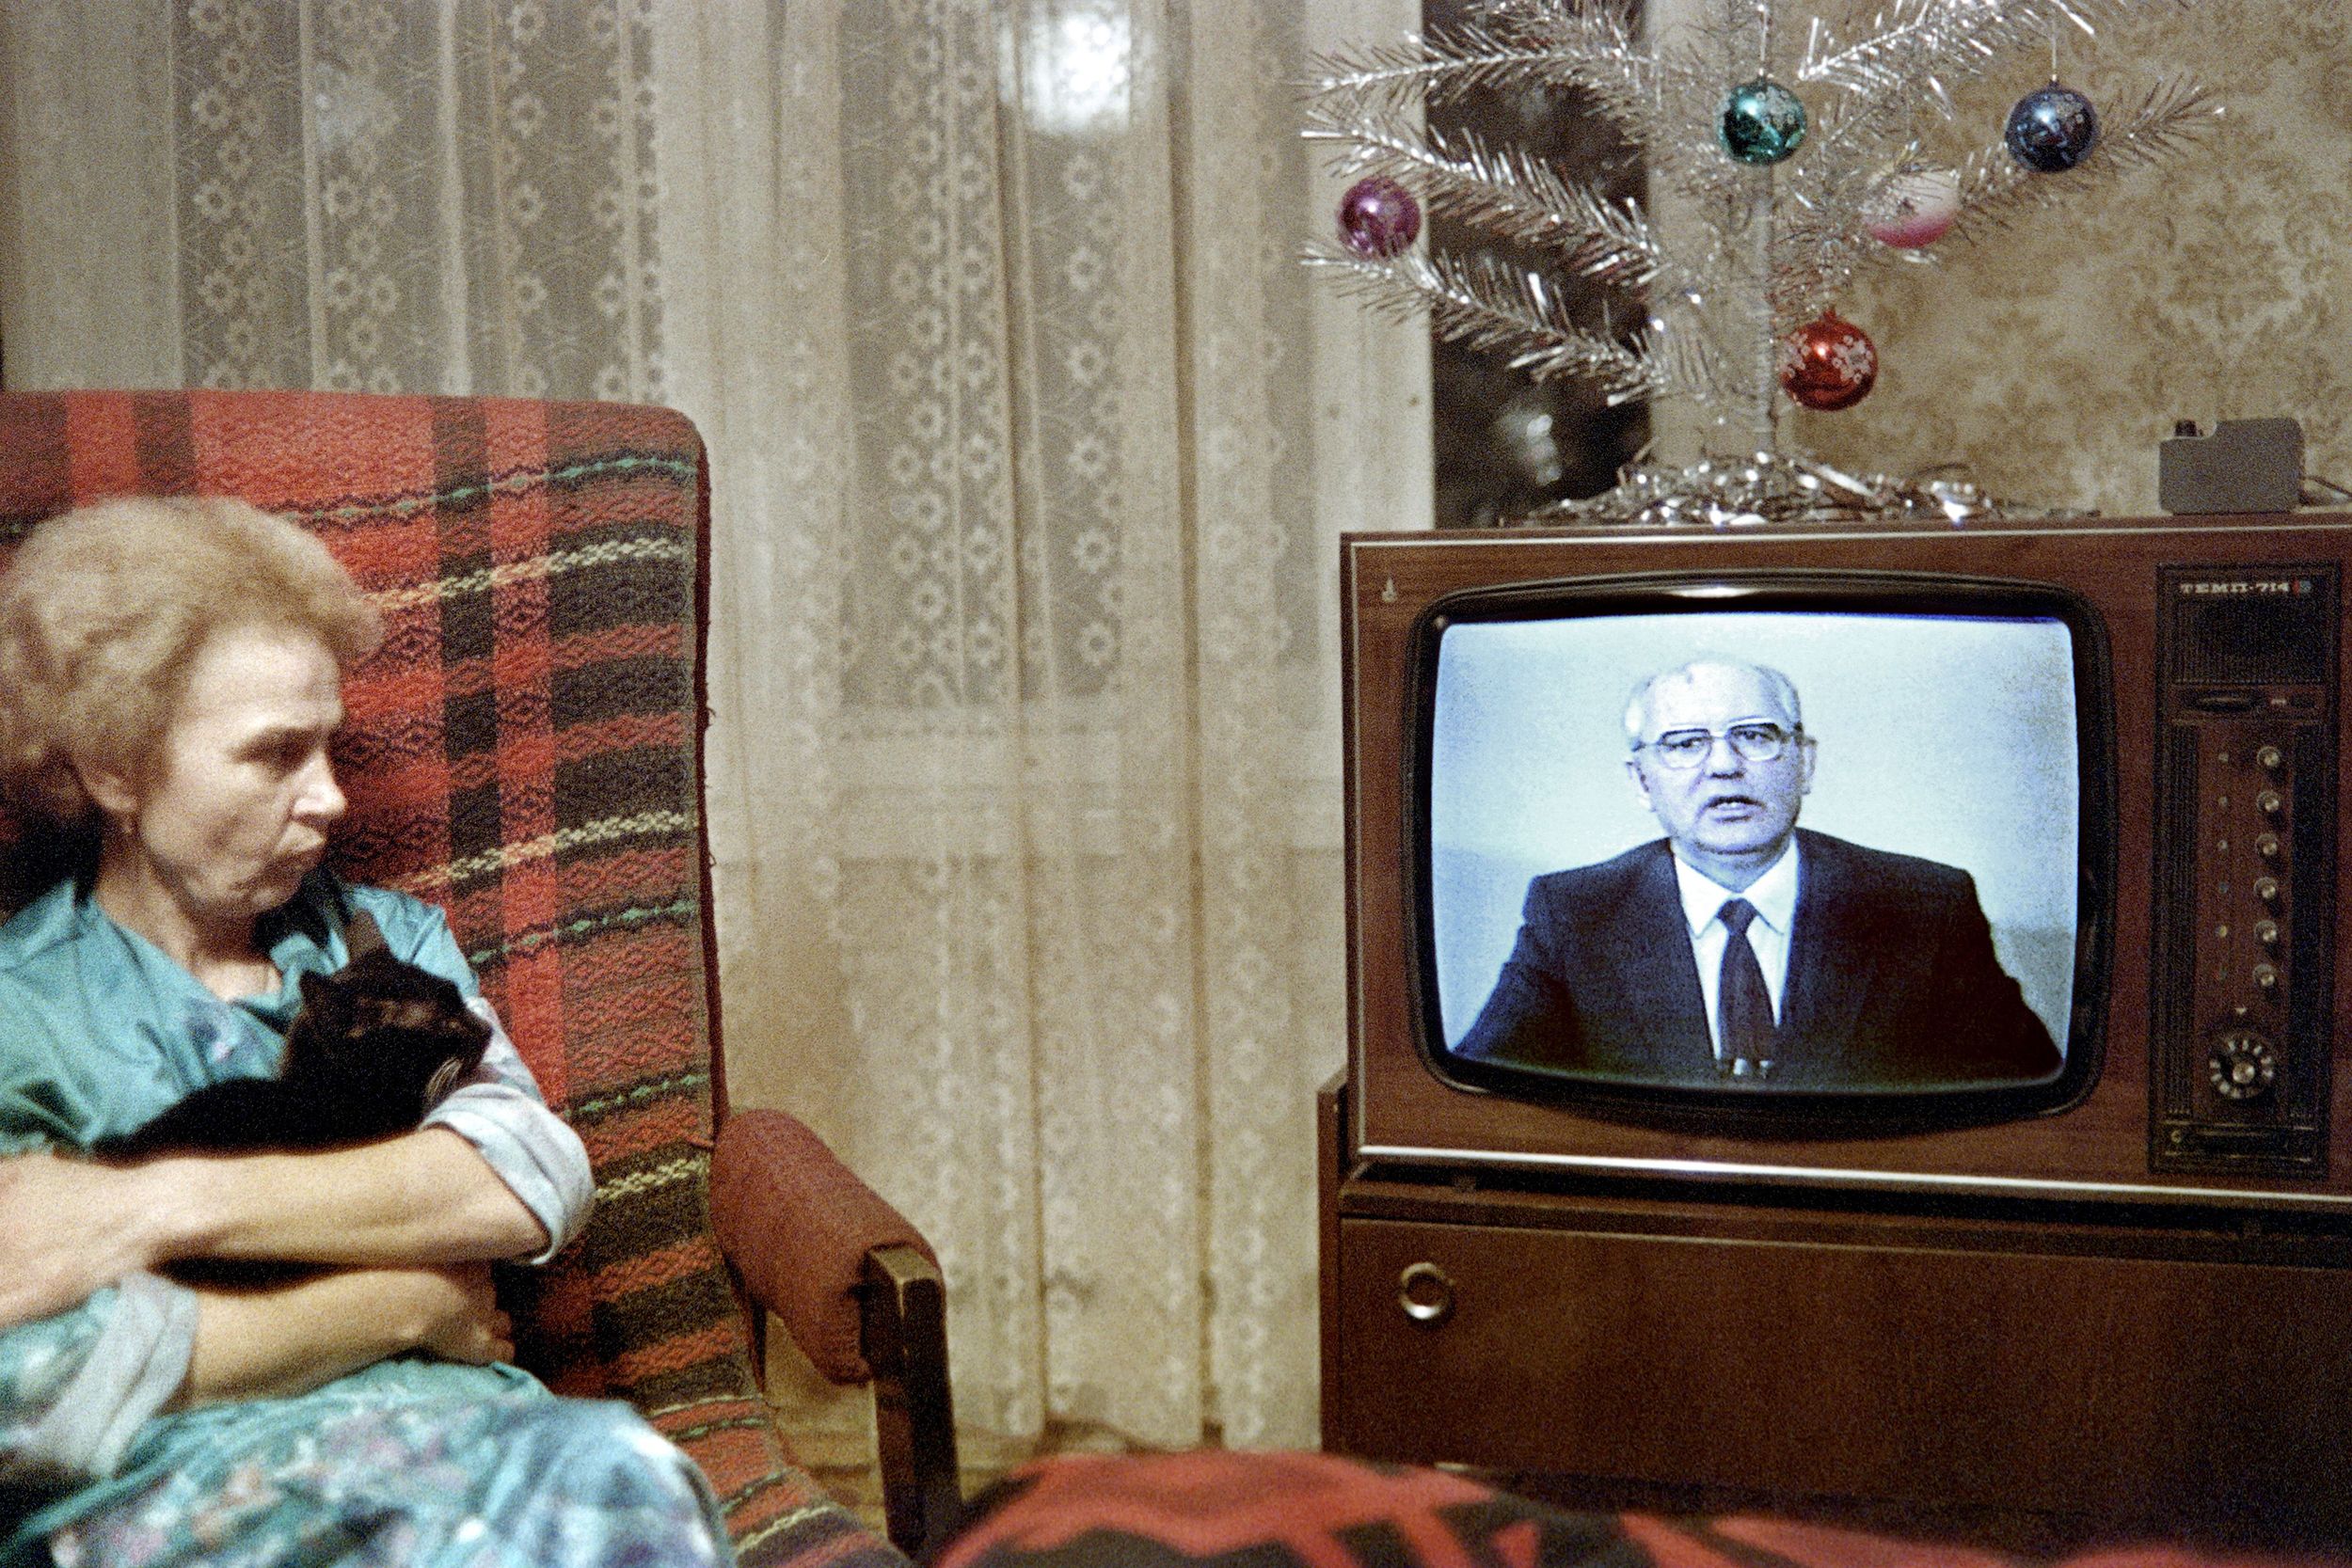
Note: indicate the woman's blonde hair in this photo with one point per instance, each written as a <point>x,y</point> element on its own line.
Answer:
<point>106,607</point>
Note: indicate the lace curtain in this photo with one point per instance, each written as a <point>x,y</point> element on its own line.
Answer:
<point>1029,444</point>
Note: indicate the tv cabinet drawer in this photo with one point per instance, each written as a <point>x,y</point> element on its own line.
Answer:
<point>1894,1367</point>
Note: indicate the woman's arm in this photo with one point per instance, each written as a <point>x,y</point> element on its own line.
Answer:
<point>424,1198</point>
<point>292,1339</point>
<point>77,1388</point>
<point>69,1227</point>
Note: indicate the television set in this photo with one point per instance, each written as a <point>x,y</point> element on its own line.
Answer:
<point>2060,918</point>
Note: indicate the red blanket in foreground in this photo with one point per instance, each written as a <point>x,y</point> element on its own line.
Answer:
<point>1317,1511</point>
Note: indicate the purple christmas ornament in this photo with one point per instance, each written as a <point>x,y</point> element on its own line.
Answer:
<point>1378,217</point>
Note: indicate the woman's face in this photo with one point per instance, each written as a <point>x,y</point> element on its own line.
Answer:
<point>237,805</point>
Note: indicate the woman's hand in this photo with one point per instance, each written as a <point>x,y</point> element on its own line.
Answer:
<point>461,1319</point>
<point>68,1228</point>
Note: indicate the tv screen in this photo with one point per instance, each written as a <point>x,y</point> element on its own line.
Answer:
<point>1799,844</point>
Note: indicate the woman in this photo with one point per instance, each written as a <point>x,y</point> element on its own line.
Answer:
<point>169,681</point>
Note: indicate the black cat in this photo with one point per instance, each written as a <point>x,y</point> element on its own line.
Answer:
<point>372,1049</point>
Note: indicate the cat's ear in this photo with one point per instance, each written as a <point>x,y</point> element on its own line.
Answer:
<point>320,994</point>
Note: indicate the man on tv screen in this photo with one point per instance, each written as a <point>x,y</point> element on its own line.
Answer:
<point>1743,950</point>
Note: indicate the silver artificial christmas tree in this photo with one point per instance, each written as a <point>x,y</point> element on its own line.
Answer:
<point>1778,169</point>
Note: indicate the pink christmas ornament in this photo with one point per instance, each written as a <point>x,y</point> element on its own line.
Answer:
<point>1912,207</point>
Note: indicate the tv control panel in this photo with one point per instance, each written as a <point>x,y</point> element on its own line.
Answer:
<point>2245,872</point>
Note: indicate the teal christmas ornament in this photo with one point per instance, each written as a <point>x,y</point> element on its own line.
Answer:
<point>1762,122</point>
<point>2052,129</point>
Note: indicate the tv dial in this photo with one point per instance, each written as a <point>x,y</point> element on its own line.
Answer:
<point>2267,889</point>
<point>2267,976</point>
<point>2271,804</point>
<point>2242,1065</point>
<point>2270,759</point>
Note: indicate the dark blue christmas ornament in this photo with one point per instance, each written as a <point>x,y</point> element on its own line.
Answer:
<point>2052,129</point>
<point>1763,122</point>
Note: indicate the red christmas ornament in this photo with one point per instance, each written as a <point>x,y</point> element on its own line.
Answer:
<point>1828,363</point>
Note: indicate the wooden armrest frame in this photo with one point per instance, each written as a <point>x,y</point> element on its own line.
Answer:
<point>903,1304</point>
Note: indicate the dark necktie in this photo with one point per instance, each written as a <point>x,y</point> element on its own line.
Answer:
<point>1743,1009</point>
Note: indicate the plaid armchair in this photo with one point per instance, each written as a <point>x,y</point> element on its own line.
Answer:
<point>525,751</point>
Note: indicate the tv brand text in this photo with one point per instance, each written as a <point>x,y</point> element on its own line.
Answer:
<point>2209,588</point>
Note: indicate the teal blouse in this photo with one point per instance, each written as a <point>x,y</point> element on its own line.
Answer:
<point>98,1032</point>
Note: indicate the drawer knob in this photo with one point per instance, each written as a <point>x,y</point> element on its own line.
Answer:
<point>1426,1294</point>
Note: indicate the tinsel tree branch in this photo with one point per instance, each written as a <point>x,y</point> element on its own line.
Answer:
<point>1813,261</point>
<point>1994,191</point>
<point>1595,52</point>
<point>1692,76</point>
<point>1819,244</point>
<point>1817,255</point>
<point>1912,54</point>
<point>1620,76</point>
<point>1922,45</point>
<point>1592,49</point>
<point>1481,302</point>
<point>1509,195</point>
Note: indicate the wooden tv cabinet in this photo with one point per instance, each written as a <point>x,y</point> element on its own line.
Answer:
<point>1885,1356</point>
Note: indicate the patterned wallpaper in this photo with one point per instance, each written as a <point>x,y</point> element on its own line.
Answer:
<point>2051,358</point>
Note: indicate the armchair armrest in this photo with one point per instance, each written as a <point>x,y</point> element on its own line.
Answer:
<point>859,1291</point>
<point>798,1224</point>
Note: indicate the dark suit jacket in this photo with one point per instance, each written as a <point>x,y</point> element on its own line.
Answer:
<point>1892,980</point>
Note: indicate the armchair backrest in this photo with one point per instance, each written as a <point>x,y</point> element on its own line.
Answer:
<point>525,751</point>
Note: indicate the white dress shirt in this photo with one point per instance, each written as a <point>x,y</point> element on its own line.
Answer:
<point>1774,896</point>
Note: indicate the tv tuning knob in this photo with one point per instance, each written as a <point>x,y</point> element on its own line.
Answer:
<point>2267,976</point>
<point>2270,759</point>
<point>2267,889</point>
<point>2266,846</point>
<point>2267,932</point>
<point>2271,804</point>
<point>2241,1064</point>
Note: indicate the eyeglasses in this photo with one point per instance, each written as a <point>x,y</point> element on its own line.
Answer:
<point>1683,750</point>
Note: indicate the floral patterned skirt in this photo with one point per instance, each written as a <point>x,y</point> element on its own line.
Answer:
<point>513,1480</point>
